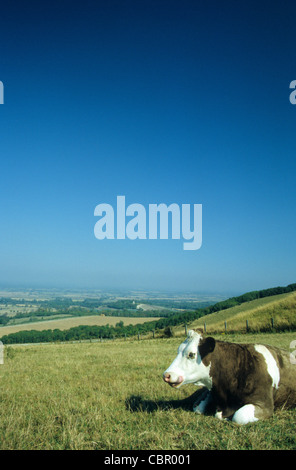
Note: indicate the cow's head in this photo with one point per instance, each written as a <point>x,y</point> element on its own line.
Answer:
<point>189,367</point>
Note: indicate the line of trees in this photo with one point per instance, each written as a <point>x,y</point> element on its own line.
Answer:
<point>81,332</point>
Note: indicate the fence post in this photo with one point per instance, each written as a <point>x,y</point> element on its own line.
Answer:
<point>225,325</point>
<point>247,326</point>
<point>205,327</point>
<point>153,333</point>
<point>138,336</point>
<point>185,329</point>
<point>272,323</point>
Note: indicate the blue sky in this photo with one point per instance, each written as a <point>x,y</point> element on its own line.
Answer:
<point>160,101</point>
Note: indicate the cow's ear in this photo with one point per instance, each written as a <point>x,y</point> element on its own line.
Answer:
<point>206,346</point>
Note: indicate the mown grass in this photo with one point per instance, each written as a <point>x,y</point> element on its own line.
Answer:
<point>111,396</point>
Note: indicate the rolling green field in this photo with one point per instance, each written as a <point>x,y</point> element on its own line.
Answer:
<point>111,396</point>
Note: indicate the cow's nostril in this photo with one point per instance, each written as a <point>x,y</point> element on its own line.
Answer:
<point>166,377</point>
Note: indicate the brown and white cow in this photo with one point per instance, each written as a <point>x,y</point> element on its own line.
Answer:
<point>243,382</point>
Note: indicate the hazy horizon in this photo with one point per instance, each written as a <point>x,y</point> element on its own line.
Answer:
<point>123,290</point>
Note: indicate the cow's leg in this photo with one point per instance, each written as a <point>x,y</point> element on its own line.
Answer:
<point>201,405</point>
<point>251,413</point>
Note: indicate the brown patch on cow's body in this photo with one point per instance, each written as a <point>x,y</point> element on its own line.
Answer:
<point>240,377</point>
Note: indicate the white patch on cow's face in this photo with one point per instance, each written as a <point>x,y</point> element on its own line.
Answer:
<point>272,367</point>
<point>188,366</point>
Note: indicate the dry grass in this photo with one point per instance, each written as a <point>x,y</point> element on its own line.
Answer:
<point>111,396</point>
<point>66,323</point>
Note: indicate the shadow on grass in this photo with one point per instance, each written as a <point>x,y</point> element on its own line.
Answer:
<point>136,403</point>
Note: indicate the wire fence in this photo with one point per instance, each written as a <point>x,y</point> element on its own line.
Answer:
<point>249,327</point>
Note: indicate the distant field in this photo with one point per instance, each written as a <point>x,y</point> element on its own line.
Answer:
<point>66,323</point>
<point>111,396</point>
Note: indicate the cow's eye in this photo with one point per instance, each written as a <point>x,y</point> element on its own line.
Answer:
<point>191,355</point>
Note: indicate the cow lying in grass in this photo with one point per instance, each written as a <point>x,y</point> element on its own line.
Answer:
<point>243,382</point>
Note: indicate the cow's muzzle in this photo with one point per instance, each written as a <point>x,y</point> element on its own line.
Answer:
<point>173,381</point>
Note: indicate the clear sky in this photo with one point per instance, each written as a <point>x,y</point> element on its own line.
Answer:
<point>162,101</point>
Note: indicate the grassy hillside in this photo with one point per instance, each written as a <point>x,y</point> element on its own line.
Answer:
<point>259,312</point>
<point>112,396</point>
<point>189,317</point>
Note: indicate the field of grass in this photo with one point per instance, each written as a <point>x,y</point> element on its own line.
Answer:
<point>112,396</point>
<point>282,308</point>
<point>66,323</point>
